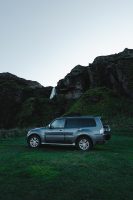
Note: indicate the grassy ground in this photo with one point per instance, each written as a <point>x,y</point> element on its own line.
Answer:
<point>63,173</point>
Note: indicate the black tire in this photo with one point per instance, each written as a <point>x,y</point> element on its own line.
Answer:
<point>84,143</point>
<point>34,141</point>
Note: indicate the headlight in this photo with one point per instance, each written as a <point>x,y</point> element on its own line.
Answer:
<point>28,133</point>
<point>101,131</point>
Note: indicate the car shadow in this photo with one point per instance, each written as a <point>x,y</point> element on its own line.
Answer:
<point>57,148</point>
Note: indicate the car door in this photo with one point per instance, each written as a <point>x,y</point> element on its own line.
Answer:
<point>70,131</point>
<point>55,133</point>
<point>77,126</point>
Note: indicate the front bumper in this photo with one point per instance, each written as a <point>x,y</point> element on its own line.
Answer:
<point>107,136</point>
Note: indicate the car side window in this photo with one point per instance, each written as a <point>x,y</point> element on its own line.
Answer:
<point>87,122</point>
<point>58,123</point>
<point>71,123</point>
<point>80,122</point>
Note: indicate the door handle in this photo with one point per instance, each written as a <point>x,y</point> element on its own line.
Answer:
<point>60,130</point>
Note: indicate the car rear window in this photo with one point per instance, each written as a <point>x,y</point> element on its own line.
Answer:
<point>80,122</point>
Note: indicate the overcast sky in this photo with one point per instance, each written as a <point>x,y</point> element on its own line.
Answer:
<point>43,40</point>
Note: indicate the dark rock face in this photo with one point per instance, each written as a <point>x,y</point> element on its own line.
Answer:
<point>74,83</point>
<point>6,76</point>
<point>14,92</point>
<point>113,71</point>
<point>11,85</point>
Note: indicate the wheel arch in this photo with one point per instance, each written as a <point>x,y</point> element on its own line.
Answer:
<point>34,134</point>
<point>86,136</point>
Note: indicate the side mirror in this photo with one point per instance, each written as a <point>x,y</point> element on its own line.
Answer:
<point>49,126</point>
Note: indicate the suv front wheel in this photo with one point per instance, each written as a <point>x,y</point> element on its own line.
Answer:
<point>34,141</point>
<point>84,144</point>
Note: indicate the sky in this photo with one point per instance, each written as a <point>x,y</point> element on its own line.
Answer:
<point>42,40</point>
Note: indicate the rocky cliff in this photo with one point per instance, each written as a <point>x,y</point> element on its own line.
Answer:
<point>15,93</point>
<point>113,71</point>
<point>74,83</point>
<point>26,103</point>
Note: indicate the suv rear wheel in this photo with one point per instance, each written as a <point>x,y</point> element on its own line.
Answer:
<point>34,141</point>
<point>84,144</point>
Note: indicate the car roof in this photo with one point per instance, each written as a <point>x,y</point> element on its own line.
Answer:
<point>83,116</point>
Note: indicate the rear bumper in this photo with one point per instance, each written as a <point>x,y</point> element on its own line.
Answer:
<point>102,138</point>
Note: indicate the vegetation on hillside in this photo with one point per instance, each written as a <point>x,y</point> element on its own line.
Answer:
<point>25,105</point>
<point>106,103</point>
<point>40,111</point>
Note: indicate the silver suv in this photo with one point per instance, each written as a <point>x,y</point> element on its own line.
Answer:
<point>83,132</point>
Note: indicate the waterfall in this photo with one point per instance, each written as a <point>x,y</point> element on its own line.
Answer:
<point>53,93</point>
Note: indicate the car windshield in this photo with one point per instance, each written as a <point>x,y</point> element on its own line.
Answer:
<point>58,123</point>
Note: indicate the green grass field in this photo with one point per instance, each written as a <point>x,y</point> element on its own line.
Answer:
<point>63,173</point>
